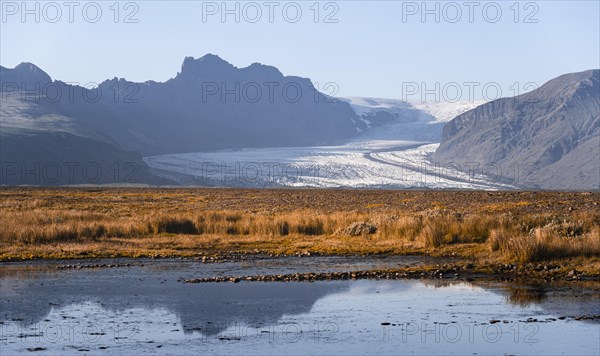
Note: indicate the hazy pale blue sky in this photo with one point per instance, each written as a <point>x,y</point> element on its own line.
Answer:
<point>371,50</point>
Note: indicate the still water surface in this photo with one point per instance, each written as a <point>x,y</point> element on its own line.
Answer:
<point>146,309</point>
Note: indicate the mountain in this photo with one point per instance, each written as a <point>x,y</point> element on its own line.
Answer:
<point>209,105</point>
<point>374,112</point>
<point>395,119</point>
<point>548,138</point>
<point>409,111</point>
<point>53,132</point>
<point>35,157</point>
<point>445,111</point>
<point>27,75</point>
<point>40,146</point>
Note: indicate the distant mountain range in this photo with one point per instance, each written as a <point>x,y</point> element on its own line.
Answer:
<point>394,119</point>
<point>209,105</point>
<point>52,132</point>
<point>42,143</point>
<point>404,111</point>
<point>548,138</point>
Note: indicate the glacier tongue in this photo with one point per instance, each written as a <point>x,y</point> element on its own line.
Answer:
<point>394,155</point>
<point>357,164</point>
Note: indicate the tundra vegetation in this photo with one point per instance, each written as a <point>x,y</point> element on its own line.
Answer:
<point>480,227</point>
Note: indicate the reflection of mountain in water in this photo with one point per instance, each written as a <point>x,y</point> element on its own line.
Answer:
<point>215,307</point>
<point>211,307</point>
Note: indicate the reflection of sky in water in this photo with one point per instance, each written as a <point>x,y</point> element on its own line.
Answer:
<point>324,317</point>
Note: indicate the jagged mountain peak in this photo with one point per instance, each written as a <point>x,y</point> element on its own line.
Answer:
<point>210,105</point>
<point>28,67</point>
<point>259,67</point>
<point>25,73</point>
<point>206,63</point>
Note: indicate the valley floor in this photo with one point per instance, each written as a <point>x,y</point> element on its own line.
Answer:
<point>540,234</point>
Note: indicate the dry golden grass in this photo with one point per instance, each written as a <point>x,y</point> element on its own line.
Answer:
<point>546,243</point>
<point>67,223</point>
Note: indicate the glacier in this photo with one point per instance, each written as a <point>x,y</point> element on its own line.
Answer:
<point>390,156</point>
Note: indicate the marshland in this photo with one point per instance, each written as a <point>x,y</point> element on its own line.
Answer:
<point>188,271</point>
<point>478,227</point>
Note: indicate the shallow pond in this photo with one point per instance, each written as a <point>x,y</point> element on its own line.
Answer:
<point>145,308</point>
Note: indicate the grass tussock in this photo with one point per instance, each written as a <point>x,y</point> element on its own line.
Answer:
<point>173,225</point>
<point>546,243</point>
